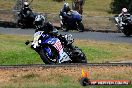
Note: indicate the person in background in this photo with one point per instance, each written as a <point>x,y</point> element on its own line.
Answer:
<point>78,5</point>
<point>65,10</point>
<point>25,9</point>
<point>121,15</point>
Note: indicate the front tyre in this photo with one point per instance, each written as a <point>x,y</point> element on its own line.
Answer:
<point>52,59</point>
<point>64,28</point>
<point>21,24</point>
<point>80,27</point>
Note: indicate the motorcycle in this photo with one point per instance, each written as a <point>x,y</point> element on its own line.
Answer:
<point>25,20</point>
<point>57,50</point>
<point>74,21</point>
<point>126,27</point>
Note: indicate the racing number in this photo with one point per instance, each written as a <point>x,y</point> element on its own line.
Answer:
<point>58,46</point>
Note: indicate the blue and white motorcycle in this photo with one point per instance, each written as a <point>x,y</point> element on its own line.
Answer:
<point>73,22</point>
<point>57,49</point>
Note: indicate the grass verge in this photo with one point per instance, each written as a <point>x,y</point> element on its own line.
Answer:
<point>66,77</point>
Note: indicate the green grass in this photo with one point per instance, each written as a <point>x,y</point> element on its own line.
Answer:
<point>91,7</point>
<point>14,51</point>
<point>97,51</point>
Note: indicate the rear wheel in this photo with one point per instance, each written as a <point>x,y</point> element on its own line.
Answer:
<point>79,56</point>
<point>127,33</point>
<point>49,59</point>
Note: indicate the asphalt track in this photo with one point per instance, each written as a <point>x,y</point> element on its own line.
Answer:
<point>99,36</point>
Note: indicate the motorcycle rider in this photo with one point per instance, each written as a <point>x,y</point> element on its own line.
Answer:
<point>64,12</point>
<point>39,21</point>
<point>49,29</point>
<point>46,27</point>
<point>24,11</point>
<point>121,15</point>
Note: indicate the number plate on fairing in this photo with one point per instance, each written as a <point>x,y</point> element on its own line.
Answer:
<point>63,55</point>
<point>58,45</point>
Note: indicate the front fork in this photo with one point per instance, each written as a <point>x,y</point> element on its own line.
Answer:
<point>61,22</point>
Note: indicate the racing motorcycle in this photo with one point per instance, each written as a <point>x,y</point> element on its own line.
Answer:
<point>126,27</point>
<point>25,17</point>
<point>26,20</point>
<point>73,22</point>
<point>57,49</point>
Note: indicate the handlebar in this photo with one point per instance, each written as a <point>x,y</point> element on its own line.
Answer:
<point>28,42</point>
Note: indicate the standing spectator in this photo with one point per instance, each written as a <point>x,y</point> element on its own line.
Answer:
<point>78,5</point>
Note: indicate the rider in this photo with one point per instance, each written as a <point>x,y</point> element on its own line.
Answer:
<point>25,9</point>
<point>49,29</point>
<point>64,12</point>
<point>121,15</point>
<point>39,22</point>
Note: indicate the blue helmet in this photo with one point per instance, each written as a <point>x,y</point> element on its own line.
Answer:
<point>66,7</point>
<point>39,21</point>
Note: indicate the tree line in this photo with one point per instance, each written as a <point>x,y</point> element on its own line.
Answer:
<point>117,5</point>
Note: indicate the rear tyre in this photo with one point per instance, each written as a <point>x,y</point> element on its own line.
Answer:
<point>79,56</point>
<point>127,33</point>
<point>53,59</point>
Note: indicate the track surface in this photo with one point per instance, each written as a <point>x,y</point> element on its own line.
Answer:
<point>112,37</point>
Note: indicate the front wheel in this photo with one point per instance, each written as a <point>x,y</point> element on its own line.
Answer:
<point>49,55</point>
<point>64,27</point>
<point>80,27</point>
<point>21,24</point>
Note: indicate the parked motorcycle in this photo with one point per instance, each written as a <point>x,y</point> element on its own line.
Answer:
<point>73,22</point>
<point>126,27</point>
<point>26,20</point>
<point>57,49</point>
